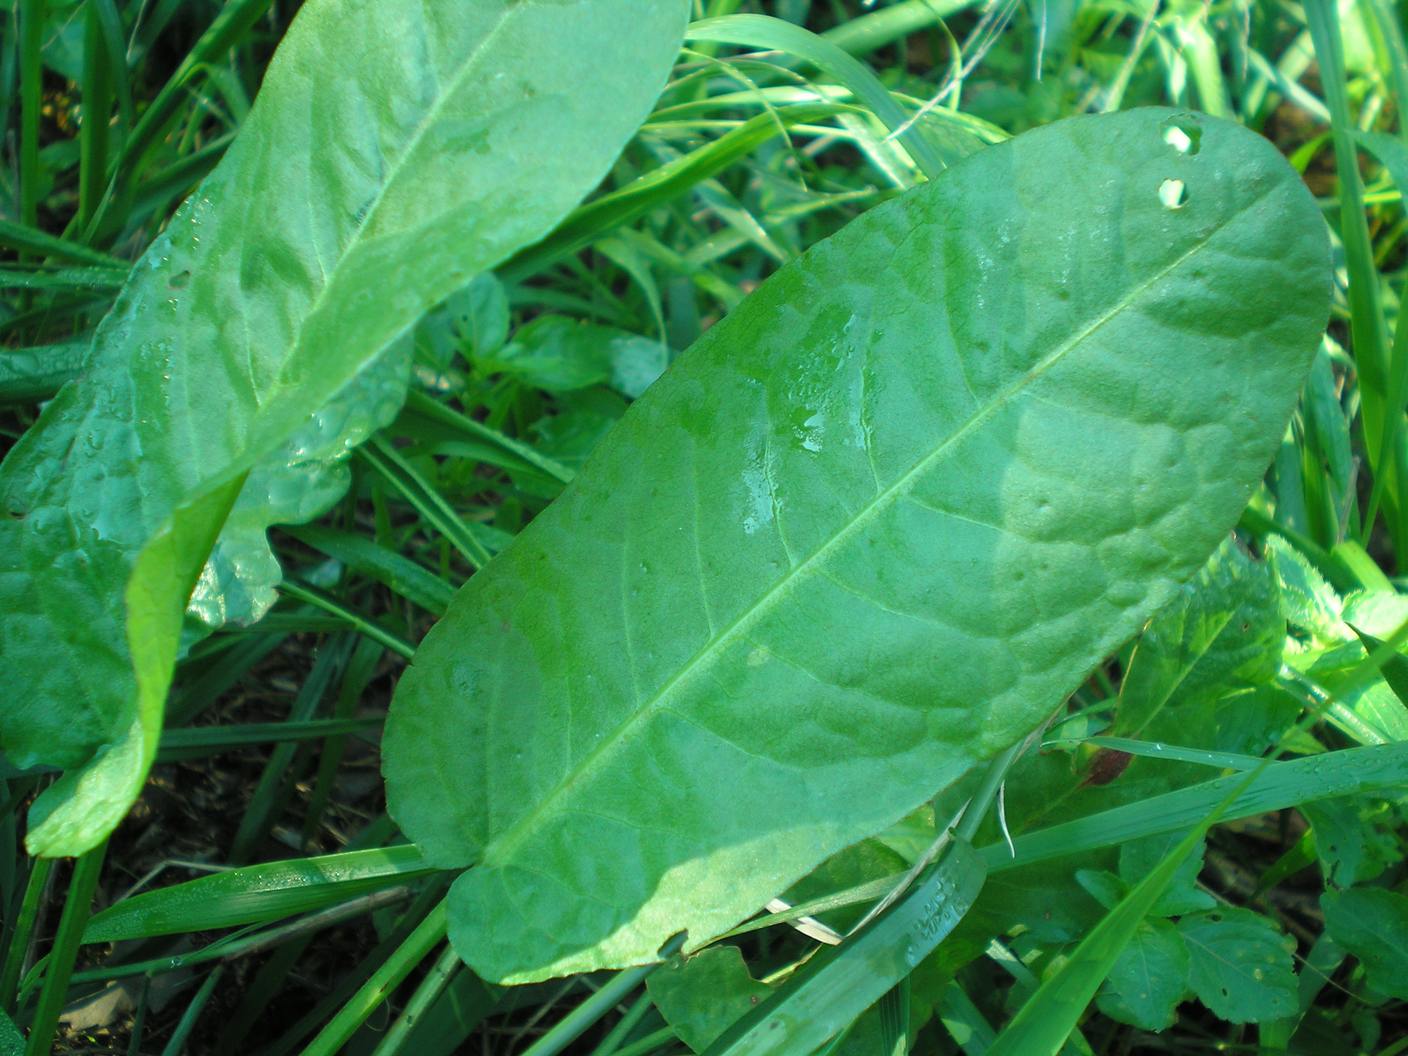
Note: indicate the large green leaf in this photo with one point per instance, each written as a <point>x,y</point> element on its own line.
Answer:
<point>868,531</point>
<point>397,148</point>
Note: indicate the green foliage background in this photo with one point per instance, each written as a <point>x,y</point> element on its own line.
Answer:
<point>258,898</point>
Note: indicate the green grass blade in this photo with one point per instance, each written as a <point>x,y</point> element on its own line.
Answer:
<point>1392,154</point>
<point>427,935</point>
<point>28,239</point>
<point>1366,311</point>
<point>228,28</point>
<point>59,966</point>
<point>204,741</point>
<point>427,501</point>
<point>272,788</point>
<point>31,16</point>
<point>256,894</point>
<point>659,186</point>
<point>22,932</point>
<point>177,1043</point>
<point>1353,771</point>
<point>433,409</point>
<point>359,623</point>
<point>426,993</point>
<point>1044,1022</point>
<point>841,982</point>
<point>964,1021</point>
<point>98,95</point>
<point>589,1012</point>
<point>763,31</point>
<point>875,30</point>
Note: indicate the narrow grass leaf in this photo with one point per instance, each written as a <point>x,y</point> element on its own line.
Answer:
<point>398,573</point>
<point>764,31</point>
<point>836,985</point>
<point>1376,768</point>
<point>256,893</point>
<point>1046,1019</point>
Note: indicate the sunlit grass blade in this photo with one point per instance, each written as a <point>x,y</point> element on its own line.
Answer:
<point>427,501</point>
<point>1366,310</point>
<point>427,992</point>
<point>658,186</point>
<point>256,894</point>
<point>879,28</point>
<point>1280,785</point>
<point>589,1012</point>
<point>762,31</point>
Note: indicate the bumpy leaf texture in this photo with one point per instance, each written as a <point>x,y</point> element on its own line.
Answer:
<point>397,148</point>
<point>871,529</point>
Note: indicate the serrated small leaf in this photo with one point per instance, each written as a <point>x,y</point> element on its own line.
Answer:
<point>1372,924</point>
<point>1223,631</point>
<point>1149,978</point>
<point>1307,600</point>
<point>1240,965</point>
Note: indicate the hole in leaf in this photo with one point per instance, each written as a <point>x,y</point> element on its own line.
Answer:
<point>180,280</point>
<point>1183,134</point>
<point>1173,194</point>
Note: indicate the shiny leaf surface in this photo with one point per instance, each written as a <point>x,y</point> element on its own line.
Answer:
<point>395,150</point>
<point>868,531</point>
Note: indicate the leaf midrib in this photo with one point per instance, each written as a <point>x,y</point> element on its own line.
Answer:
<point>451,89</point>
<point>500,847</point>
